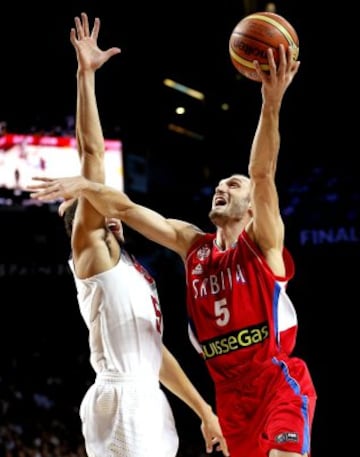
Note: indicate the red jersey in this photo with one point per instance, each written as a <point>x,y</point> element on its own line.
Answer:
<point>239,310</point>
<point>243,323</point>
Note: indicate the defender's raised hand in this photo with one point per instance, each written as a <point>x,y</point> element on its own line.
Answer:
<point>88,53</point>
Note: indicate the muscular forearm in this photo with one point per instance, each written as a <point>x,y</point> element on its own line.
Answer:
<point>265,147</point>
<point>175,380</point>
<point>108,201</point>
<point>266,143</point>
<point>88,127</point>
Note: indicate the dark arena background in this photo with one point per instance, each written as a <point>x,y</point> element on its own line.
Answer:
<point>171,162</point>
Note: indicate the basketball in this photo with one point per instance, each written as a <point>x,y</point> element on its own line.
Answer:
<point>254,35</point>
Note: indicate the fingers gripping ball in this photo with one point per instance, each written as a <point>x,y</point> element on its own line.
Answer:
<point>256,33</point>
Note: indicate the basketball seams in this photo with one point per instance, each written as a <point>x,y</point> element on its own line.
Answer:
<point>278,25</point>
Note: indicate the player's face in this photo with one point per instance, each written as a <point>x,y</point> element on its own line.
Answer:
<point>231,199</point>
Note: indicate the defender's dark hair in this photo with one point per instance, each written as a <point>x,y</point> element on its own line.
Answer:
<point>69,217</point>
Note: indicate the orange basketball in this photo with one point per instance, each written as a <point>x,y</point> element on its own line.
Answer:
<point>256,33</point>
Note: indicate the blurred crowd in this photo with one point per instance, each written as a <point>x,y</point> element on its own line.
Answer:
<point>34,420</point>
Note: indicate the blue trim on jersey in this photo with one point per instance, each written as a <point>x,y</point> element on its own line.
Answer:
<point>275,311</point>
<point>304,403</point>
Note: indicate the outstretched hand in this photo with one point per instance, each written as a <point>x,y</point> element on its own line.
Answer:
<point>89,55</point>
<point>279,77</point>
<point>49,189</point>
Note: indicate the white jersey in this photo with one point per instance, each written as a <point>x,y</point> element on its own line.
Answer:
<point>125,413</point>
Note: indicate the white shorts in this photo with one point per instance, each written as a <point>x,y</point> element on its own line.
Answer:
<point>127,416</point>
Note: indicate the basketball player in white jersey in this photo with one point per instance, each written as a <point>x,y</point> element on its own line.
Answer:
<point>125,413</point>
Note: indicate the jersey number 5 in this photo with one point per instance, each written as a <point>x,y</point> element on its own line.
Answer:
<point>222,312</point>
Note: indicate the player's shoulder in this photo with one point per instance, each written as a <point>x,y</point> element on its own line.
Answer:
<point>187,235</point>
<point>180,223</point>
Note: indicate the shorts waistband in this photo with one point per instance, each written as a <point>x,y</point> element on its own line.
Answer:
<point>113,377</point>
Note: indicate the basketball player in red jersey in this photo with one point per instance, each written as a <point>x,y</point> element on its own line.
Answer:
<point>242,320</point>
